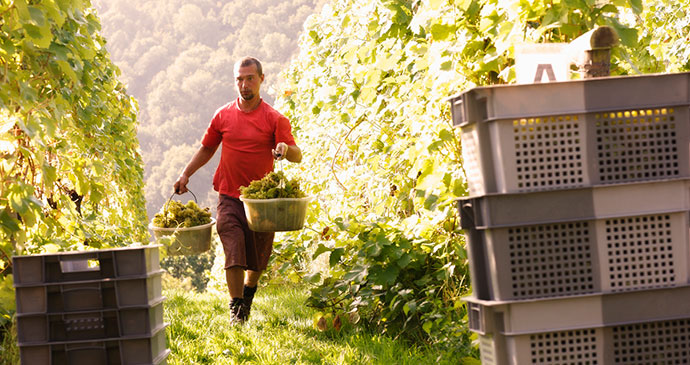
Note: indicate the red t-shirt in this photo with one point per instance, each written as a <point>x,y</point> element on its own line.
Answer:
<point>248,139</point>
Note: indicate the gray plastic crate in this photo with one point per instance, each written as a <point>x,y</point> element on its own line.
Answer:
<point>658,342</point>
<point>518,317</point>
<point>90,295</point>
<point>577,241</point>
<point>79,326</point>
<point>531,137</point>
<point>142,350</point>
<point>85,265</point>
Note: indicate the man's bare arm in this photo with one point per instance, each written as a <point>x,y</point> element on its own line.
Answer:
<point>200,158</point>
<point>290,153</point>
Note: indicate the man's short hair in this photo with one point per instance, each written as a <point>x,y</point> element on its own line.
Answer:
<point>248,61</point>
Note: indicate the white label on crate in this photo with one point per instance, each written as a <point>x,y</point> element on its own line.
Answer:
<point>545,62</point>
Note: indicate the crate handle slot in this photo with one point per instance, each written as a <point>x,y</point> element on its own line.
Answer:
<point>98,289</point>
<point>467,219</point>
<point>78,347</point>
<point>458,112</point>
<point>475,315</point>
<point>80,264</point>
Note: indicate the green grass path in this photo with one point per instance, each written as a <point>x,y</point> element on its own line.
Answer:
<point>280,331</point>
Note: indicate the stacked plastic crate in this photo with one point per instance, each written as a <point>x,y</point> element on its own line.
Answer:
<point>577,223</point>
<point>90,307</point>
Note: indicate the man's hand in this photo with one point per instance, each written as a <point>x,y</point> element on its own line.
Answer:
<point>280,152</point>
<point>181,184</point>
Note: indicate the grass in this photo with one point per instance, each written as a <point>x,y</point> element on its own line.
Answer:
<point>9,352</point>
<point>280,331</point>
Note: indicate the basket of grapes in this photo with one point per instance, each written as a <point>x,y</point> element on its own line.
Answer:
<point>274,204</point>
<point>187,226</point>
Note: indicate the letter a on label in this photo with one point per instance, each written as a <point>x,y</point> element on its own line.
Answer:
<point>544,67</point>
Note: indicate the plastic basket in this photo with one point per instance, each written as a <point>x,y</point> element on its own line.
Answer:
<point>514,317</point>
<point>64,267</point>
<point>78,326</point>
<point>531,137</point>
<point>570,242</point>
<point>658,342</point>
<point>642,327</point>
<point>185,240</point>
<point>91,295</point>
<point>276,215</point>
<point>127,350</point>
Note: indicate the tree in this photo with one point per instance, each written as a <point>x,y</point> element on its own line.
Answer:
<point>71,171</point>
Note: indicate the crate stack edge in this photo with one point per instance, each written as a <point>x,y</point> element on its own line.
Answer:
<point>578,207</point>
<point>101,306</point>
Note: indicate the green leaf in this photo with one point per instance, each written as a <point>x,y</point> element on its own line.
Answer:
<point>446,135</point>
<point>37,15</point>
<point>335,256</point>
<point>59,51</point>
<point>357,274</point>
<point>637,6</point>
<point>17,203</point>
<point>628,36</point>
<point>410,307</point>
<point>313,278</point>
<point>435,146</point>
<point>441,32</point>
<point>404,260</point>
<point>22,10</point>
<point>390,274</point>
<point>459,187</point>
<point>96,194</point>
<point>58,17</point>
<point>473,8</point>
<point>609,8</point>
<point>8,223</point>
<point>430,201</point>
<point>427,326</point>
<point>40,36</point>
<point>98,167</point>
<point>446,66</point>
<point>67,70</point>
<point>49,174</point>
<point>485,24</point>
<point>319,250</point>
<point>7,46</point>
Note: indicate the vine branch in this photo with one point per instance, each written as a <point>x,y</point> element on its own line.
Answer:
<point>7,258</point>
<point>342,142</point>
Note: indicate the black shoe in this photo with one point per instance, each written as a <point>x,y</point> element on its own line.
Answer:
<point>247,302</point>
<point>236,309</point>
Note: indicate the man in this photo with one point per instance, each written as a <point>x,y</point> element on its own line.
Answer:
<point>253,134</point>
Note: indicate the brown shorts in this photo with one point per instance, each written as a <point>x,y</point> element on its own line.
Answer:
<point>243,247</point>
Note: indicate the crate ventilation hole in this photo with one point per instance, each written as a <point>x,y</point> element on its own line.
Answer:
<point>548,152</point>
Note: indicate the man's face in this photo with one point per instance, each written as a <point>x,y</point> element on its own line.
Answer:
<point>248,81</point>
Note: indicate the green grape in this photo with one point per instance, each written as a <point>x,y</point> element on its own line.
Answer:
<point>175,214</point>
<point>269,187</point>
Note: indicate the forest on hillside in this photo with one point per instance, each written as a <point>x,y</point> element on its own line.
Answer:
<point>176,58</point>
